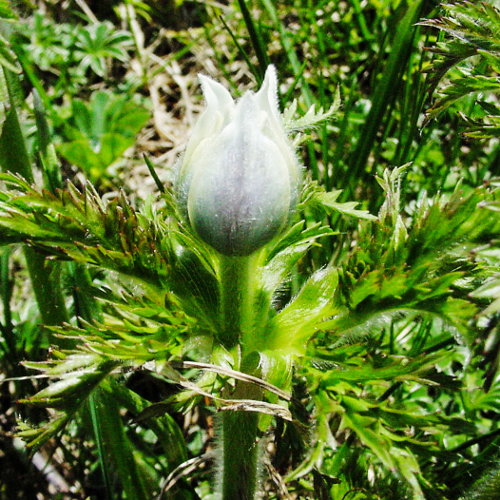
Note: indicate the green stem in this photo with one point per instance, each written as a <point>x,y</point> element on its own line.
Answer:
<point>46,283</point>
<point>239,444</point>
<point>237,294</point>
<point>5,297</point>
<point>45,275</point>
<point>240,453</point>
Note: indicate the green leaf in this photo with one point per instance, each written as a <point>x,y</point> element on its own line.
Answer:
<point>79,378</point>
<point>390,368</point>
<point>311,118</point>
<point>486,488</point>
<point>82,227</point>
<point>302,317</point>
<point>99,132</point>
<point>415,271</point>
<point>8,58</point>
<point>6,11</point>
<point>120,450</point>
<point>316,198</point>
<point>166,429</point>
<point>327,200</point>
<point>289,249</point>
<point>75,385</point>
<point>490,290</point>
<point>472,29</point>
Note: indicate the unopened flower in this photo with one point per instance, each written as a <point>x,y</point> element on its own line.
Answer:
<point>239,177</point>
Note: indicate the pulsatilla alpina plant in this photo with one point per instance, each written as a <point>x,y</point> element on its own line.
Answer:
<point>207,283</point>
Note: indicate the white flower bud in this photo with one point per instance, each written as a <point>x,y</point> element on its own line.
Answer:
<point>239,177</point>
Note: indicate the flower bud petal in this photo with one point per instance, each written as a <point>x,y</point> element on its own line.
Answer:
<point>219,106</point>
<point>239,176</point>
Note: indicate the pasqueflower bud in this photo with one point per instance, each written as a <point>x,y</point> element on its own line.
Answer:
<point>239,177</point>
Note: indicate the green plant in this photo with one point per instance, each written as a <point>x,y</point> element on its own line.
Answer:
<point>98,42</point>
<point>72,55</point>
<point>97,133</point>
<point>365,344</point>
<point>398,274</point>
<point>473,50</point>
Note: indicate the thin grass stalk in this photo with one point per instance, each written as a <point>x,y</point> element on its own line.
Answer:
<point>95,418</point>
<point>111,441</point>
<point>292,57</point>
<point>87,308</point>
<point>241,50</point>
<point>116,445</point>
<point>9,346</point>
<point>256,39</point>
<point>367,35</point>
<point>112,444</point>
<point>415,99</point>
<point>85,305</point>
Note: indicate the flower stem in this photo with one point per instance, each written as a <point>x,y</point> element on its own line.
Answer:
<point>240,452</point>
<point>238,443</point>
<point>237,285</point>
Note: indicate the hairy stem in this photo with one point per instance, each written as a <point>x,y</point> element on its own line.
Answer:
<point>237,283</point>
<point>240,453</point>
<point>238,469</point>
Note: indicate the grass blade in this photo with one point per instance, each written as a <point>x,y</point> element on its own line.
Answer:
<point>383,97</point>
<point>257,42</point>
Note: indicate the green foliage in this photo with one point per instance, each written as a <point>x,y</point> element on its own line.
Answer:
<point>79,226</point>
<point>398,268</point>
<point>7,57</point>
<point>473,29</point>
<point>97,133</point>
<point>50,43</point>
<point>399,276</point>
<point>398,272</point>
<point>486,488</point>
<point>100,41</point>
<point>372,350</point>
<point>70,52</point>
<point>6,11</point>
<point>82,376</point>
<point>324,203</point>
